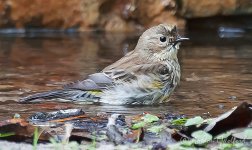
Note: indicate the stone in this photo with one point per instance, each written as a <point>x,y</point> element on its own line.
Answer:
<point>117,16</point>
<point>151,12</point>
<point>114,23</point>
<point>208,8</point>
<point>169,18</point>
<point>112,15</point>
<point>108,15</point>
<point>51,13</point>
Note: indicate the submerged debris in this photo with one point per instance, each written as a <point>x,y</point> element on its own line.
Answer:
<point>57,115</point>
<point>139,131</point>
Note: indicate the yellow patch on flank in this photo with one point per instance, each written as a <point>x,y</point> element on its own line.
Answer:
<point>95,92</point>
<point>157,85</point>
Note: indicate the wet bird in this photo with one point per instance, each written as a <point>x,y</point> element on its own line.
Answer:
<point>146,75</point>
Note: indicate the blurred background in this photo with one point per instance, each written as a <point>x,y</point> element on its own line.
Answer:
<point>114,15</point>
<point>45,44</point>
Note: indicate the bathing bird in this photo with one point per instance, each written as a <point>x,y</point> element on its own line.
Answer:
<point>146,75</point>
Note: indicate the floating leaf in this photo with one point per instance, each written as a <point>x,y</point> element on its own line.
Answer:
<point>201,137</point>
<point>245,134</point>
<point>187,143</point>
<point>179,122</point>
<point>209,120</point>
<point>240,145</point>
<point>138,125</point>
<point>155,129</point>
<point>225,146</point>
<point>183,145</point>
<point>194,121</point>
<point>234,145</point>
<point>223,136</point>
<point>150,118</point>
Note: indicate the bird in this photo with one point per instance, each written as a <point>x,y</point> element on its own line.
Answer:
<point>144,76</point>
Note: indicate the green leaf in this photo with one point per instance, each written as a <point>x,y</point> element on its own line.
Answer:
<point>6,134</point>
<point>138,125</point>
<point>179,122</point>
<point>53,141</point>
<point>156,129</point>
<point>209,120</point>
<point>239,146</point>
<point>225,146</point>
<point>245,134</point>
<point>248,133</point>
<point>150,118</point>
<point>223,136</point>
<point>201,137</point>
<point>178,146</point>
<point>194,121</point>
<point>35,138</point>
<point>187,143</point>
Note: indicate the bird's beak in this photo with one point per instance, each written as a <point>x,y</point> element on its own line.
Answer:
<point>179,39</point>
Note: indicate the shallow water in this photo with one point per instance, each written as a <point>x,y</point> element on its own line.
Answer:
<point>216,70</point>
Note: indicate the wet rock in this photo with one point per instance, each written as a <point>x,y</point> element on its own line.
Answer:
<point>150,12</point>
<point>114,23</point>
<point>112,15</point>
<point>50,13</point>
<point>113,133</point>
<point>173,19</point>
<point>4,14</point>
<point>146,10</point>
<point>199,8</point>
<point>108,15</point>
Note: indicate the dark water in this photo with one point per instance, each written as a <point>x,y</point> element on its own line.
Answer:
<point>216,70</point>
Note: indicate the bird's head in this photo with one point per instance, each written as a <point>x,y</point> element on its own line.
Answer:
<point>160,42</point>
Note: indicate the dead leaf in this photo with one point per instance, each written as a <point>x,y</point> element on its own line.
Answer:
<point>239,117</point>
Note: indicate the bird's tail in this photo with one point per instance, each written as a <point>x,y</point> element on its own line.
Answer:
<point>68,95</point>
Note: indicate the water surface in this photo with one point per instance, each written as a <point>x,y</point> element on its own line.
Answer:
<point>216,70</point>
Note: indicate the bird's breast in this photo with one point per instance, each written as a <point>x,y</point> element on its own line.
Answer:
<point>172,78</point>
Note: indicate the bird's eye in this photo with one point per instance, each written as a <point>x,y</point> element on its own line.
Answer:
<point>163,39</point>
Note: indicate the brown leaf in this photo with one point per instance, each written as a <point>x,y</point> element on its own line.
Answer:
<point>238,118</point>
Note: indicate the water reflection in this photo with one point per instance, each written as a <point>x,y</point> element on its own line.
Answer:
<point>216,73</point>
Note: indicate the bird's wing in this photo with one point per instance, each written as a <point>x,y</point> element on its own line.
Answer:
<point>100,81</point>
<point>122,70</point>
<point>108,78</point>
<point>96,81</point>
